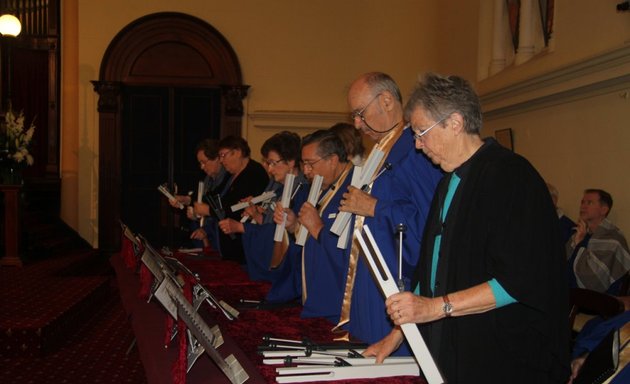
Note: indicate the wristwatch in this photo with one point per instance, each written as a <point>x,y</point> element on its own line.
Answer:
<point>447,307</point>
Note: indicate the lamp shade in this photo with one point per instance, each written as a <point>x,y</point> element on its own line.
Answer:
<point>10,25</point>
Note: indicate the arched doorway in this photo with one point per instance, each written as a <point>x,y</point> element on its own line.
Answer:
<point>172,68</point>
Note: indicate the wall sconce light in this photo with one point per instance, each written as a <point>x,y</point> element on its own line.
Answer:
<point>10,25</point>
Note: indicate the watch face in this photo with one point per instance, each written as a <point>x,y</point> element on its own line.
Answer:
<point>447,308</point>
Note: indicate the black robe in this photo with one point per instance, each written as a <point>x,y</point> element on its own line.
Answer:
<point>250,182</point>
<point>501,224</point>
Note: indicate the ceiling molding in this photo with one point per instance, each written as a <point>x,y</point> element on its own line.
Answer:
<point>598,75</point>
<point>296,120</point>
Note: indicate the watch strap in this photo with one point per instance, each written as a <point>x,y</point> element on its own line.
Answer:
<point>447,307</point>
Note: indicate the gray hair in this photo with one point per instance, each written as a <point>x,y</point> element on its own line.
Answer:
<point>328,143</point>
<point>441,95</point>
<point>378,82</point>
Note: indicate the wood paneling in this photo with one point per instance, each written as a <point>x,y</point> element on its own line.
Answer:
<point>169,50</point>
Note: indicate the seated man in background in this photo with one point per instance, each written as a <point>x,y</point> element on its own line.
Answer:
<point>598,257</point>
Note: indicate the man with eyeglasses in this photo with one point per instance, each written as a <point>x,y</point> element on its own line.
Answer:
<point>398,198</point>
<point>247,178</point>
<point>207,154</point>
<point>490,294</point>
<point>324,265</point>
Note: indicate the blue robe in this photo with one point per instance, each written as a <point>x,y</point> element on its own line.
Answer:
<point>325,265</point>
<point>288,284</point>
<point>258,242</point>
<point>404,196</point>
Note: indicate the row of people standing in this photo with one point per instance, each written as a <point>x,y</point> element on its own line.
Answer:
<point>231,176</point>
<point>490,301</point>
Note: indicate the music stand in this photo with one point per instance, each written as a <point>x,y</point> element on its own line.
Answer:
<point>204,336</point>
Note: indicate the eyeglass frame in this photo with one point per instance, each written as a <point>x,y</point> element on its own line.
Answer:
<point>310,164</point>
<point>418,136</point>
<point>274,163</point>
<point>359,114</point>
<point>204,162</point>
<point>221,155</point>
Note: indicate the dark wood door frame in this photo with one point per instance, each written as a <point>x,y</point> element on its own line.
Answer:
<point>162,49</point>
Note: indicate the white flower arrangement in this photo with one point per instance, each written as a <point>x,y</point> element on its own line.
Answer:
<point>18,140</point>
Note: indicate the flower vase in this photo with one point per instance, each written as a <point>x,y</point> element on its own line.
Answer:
<point>11,175</point>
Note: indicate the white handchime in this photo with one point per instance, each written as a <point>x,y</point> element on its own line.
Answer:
<point>313,196</point>
<point>286,201</point>
<point>388,286</point>
<point>342,242</point>
<point>310,373</point>
<point>333,365</point>
<point>169,196</point>
<point>262,198</point>
<point>362,176</point>
<point>200,200</point>
<point>255,200</point>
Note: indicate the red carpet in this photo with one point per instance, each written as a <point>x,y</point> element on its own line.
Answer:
<point>94,354</point>
<point>61,321</point>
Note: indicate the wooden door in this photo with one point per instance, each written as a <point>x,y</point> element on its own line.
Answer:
<point>161,128</point>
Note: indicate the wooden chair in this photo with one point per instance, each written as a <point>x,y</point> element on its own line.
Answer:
<point>585,300</point>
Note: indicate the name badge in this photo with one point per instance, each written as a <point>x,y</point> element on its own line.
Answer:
<point>332,215</point>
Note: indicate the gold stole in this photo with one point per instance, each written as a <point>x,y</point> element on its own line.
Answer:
<point>384,145</point>
<point>322,206</point>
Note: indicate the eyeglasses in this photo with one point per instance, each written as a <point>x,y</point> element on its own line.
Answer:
<point>309,164</point>
<point>273,163</point>
<point>225,153</point>
<point>418,136</point>
<point>359,114</point>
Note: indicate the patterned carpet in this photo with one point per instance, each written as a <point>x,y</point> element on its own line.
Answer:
<point>94,351</point>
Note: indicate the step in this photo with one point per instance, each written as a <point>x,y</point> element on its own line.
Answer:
<point>41,305</point>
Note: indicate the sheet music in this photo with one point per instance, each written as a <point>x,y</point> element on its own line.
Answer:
<point>384,278</point>
<point>313,195</point>
<point>286,201</point>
